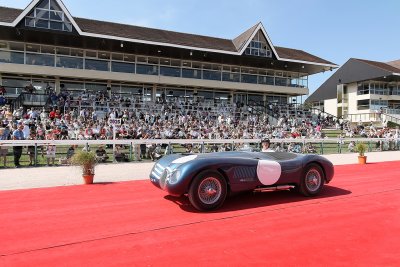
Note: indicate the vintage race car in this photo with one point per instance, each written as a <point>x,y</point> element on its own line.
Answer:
<point>208,179</point>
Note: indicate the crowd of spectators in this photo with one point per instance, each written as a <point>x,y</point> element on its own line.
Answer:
<point>86,117</point>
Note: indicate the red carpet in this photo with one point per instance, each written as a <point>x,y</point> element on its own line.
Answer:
<point>355,222</point>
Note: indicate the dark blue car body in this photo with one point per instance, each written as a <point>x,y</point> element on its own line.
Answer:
<point>242,171</point>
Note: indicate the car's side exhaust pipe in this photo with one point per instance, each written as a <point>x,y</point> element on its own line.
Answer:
<point>274,188</point>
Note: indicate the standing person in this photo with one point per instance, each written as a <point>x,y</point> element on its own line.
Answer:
<point>50,151</point>
<point>18,134</point>
<point>31,149</point>
<point>3,150</point>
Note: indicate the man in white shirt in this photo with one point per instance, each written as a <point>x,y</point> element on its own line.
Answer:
<point>265,146</point>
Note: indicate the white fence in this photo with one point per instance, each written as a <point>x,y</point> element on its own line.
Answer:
<point>186,141</point>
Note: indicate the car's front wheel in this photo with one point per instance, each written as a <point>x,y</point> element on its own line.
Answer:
<point>312,181</point>
<point>208,191</point>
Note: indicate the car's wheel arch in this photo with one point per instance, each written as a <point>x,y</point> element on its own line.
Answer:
<point>217,170</point>
<point>318,164</point>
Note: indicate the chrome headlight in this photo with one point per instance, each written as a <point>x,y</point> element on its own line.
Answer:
<point>173,177</point>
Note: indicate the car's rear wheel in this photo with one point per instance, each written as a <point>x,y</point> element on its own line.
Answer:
<point>313,180</point>
<point>208,191</point>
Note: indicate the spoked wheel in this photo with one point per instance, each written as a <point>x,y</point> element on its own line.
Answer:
<point>312,181</point>
<point>208,191</point>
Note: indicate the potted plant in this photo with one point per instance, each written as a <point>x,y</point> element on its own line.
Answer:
<point>87,161</point>
<point>360,148</point>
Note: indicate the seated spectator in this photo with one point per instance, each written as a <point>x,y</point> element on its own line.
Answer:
<point>2,90</point>
<point>101,154</point>
<point>2,100</point>
<point>155,152</point>
<point>70,154</point>
<point>119,156</point>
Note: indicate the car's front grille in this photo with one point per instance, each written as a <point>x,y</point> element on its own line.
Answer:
<point>163,179</point>
<point>158,171</point>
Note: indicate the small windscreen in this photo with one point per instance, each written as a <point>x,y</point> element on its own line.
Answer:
<point>280,155</point>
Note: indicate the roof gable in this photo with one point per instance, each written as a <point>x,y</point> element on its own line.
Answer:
<point>259,28</point>
<point>30,8</point>
<point>242,39</point>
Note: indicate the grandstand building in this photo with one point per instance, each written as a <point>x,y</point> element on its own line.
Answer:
<point>361,90</point>
<point>46,47</point>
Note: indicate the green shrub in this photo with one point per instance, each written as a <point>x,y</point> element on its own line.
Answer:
<point>361,148</point>
<point>86,160</point>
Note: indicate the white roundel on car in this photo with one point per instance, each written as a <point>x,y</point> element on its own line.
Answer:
<point>184,159</point>
<point>268,172</point>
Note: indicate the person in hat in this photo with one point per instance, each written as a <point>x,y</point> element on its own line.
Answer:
<point>265,146</point>
<point>101,154</point>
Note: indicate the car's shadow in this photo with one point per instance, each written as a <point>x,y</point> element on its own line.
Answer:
<point>251,200</point>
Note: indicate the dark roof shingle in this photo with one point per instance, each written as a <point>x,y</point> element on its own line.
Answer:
<point>381,65</point>
<point>296,54</point>
<point>8,15</point>
<point>154,35</point>
<point>241,40</point>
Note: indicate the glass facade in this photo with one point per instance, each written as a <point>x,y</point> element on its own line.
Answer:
<point>69,62</point>
<point>74,58</point>
<point>122,67</point>
<point>378,88</point>
<point>170,71</point>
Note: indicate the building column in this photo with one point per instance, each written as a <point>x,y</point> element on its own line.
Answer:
<point>231,94</point>
<point>109,88</point>
<point>57,85</point>
<point>154,97</point>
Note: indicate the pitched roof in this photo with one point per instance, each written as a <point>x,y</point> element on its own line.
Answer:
<point>8,15</point>
<point>90,26</point>
<point>353,70</point>
<point>241,40</point>
<point>296,54</point>
<point>395,63</point>
<point>381,65</point>
<point>153,35</point>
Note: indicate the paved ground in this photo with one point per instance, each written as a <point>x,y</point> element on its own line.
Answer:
<point>11,179</point>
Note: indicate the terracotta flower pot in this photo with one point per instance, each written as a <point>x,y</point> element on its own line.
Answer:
<point>362,160</point>
<point>88,178</point>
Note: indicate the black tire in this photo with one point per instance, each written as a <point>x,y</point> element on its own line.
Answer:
<point>313,180</point>
<point>208,191</point>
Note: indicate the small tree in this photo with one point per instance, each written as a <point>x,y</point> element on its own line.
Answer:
<point>360,148</point>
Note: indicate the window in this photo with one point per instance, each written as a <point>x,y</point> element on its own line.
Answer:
<point>259,46</point>
<point>123,67</point>
<point>363,104</point>
<point>170,71</point>
<point>99,65</point>
<point>69,62</point>
<point>48,15</point>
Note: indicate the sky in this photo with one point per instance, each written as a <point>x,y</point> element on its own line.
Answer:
<point>335,30</point>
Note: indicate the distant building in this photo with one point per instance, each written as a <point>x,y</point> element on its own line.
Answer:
<point>44,45</point>
<point>360,90</point>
